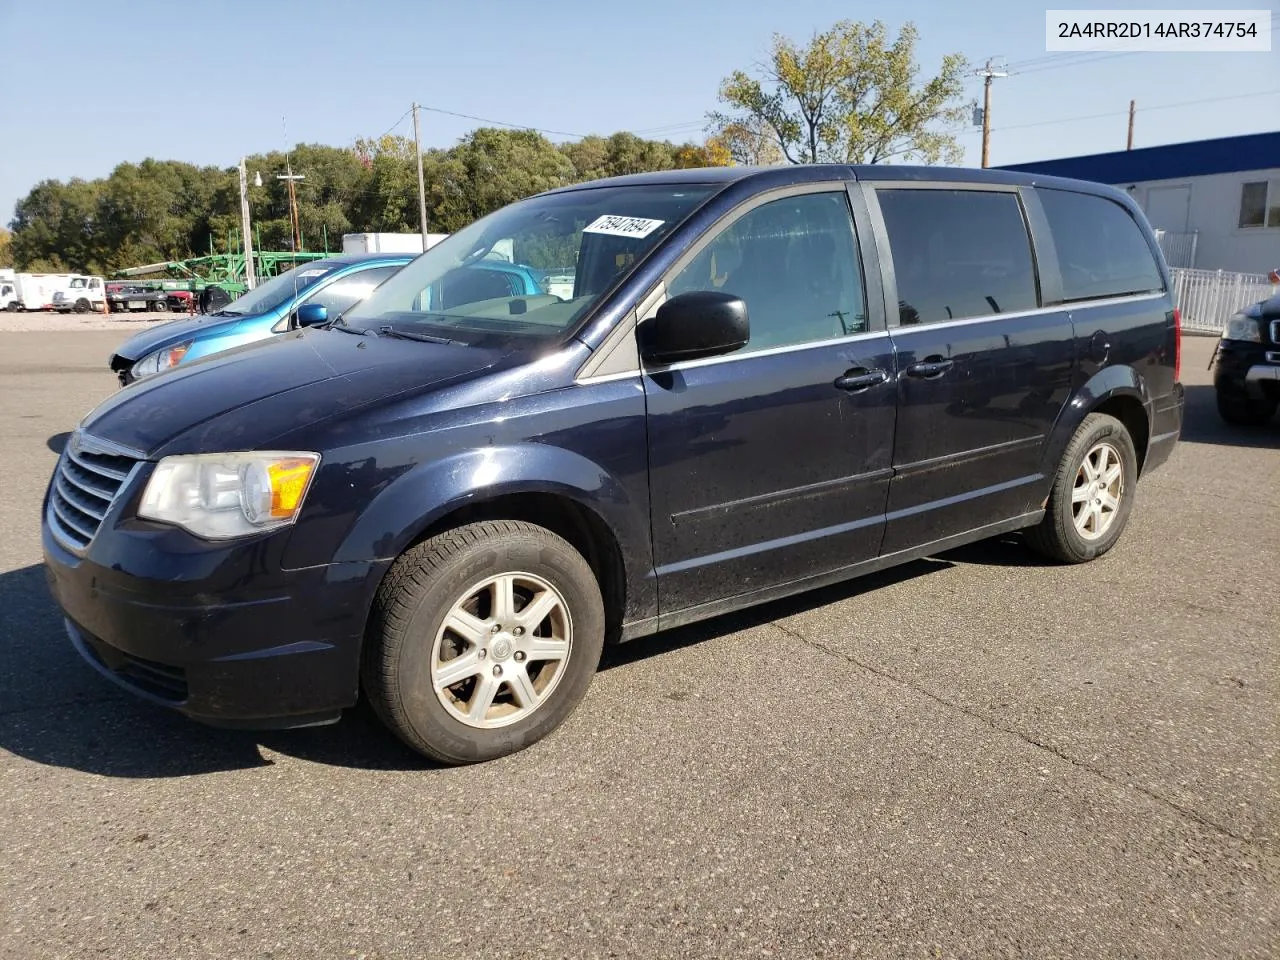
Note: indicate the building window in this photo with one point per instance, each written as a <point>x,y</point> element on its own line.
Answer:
<point>1260,204</point>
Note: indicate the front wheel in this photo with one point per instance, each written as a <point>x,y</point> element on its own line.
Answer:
<point>1092,493</point>
<point>483,640</point>
<point>160,306</point>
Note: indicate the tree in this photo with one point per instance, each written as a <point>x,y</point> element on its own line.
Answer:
<point>749,142</point>
<point>849,96</point>
<point>6,248</point>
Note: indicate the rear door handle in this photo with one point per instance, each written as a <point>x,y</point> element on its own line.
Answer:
<point>860,378</point>
<point>930,368</point>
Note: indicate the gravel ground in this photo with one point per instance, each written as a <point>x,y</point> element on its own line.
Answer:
<point>46,322</point>
<point>971,756</point>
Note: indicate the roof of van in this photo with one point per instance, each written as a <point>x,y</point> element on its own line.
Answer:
<point>781,175</point>
<point>347,259</point>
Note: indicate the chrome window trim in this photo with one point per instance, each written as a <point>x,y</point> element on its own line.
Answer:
<point>870,334</point>
<point>1035,311</point>
<point>770,352</point>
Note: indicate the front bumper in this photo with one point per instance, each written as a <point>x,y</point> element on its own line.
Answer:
<point>1249,370</point>
<point>219,632</point>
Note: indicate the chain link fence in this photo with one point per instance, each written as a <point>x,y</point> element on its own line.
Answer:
<point>1208,297</point>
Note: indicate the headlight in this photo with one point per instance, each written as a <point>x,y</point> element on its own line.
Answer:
<point>224,495</point>
<point>1240,327</point>
<point>153,363</point>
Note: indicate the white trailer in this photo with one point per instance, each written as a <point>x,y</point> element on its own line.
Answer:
<point>388,242</point>
<point>34,291</point>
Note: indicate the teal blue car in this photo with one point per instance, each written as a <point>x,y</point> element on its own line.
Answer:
<point>308,295</point>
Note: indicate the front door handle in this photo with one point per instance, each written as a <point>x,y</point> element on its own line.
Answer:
<point>930,368</point>
<point>860,378</point>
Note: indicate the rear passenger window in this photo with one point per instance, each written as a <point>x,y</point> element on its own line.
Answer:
<point>1102,252</point>
<point>794,262</point>
<point>958,254</point>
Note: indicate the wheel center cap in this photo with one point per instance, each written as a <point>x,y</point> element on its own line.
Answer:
<point>502,648</point>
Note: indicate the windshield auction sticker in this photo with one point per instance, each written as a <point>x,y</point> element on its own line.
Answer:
<point>637,227</point>
<point>1158,31</point>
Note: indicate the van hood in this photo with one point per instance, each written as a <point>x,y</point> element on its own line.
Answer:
<point>173,332</point>
<point>244,398</point>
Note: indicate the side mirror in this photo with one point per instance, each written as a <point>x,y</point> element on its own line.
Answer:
<point>309,314</point>
<point>703,323</point>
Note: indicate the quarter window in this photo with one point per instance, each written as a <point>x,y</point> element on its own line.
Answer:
<point>794,262</point>
<point>1102,252</point>
<point>1260,204</point>
<point>958,254</point>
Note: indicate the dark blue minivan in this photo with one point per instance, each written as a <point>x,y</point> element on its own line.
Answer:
<point>759,381</point>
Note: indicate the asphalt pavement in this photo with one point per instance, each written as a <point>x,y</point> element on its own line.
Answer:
<point>975,755</point>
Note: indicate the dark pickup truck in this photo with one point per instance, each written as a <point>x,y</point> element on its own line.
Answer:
<point>758,382</point>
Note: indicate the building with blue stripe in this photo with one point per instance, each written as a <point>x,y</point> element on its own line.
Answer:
<point>1215,203</point>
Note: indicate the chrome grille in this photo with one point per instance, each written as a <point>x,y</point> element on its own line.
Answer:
<point>1275,331</point>
<point>90,475</point>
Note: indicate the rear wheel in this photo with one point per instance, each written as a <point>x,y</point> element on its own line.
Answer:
<point>159,306</point>
<point>1092,493</point>
<point>483,640</point>
<point>1245,411</point>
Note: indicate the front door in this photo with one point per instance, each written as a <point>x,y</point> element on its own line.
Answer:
<point>983,372</point>
<point>771,464</point>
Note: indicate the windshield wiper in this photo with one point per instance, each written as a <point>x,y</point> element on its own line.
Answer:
<point>339,325</point>
<point>389,331</point>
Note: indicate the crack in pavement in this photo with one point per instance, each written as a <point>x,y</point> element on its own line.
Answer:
<point>1184,811</point>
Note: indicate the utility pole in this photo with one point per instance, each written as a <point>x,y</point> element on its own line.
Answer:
<point>293,201</point>
<point>250,279</point>
<point>1132,106</point>
<point>422,188</point>
<point>990,73</point>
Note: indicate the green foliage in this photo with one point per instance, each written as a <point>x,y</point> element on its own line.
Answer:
<point>6,248</point>
<point>160,210</point>
<point>850,95</point>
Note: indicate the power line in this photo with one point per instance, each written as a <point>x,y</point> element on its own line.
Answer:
<point>500,123</point>
<point>398,122</point>
<point>1116,113</point>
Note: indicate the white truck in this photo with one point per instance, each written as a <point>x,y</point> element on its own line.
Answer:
<point>31,291</point>
<point>81,294</point>
<point>388,242</point>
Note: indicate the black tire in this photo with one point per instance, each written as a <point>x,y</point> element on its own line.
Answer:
<point>418,592</point>
<point>1056,536</point>
<point>1245,411</point>
<point>82,306</point>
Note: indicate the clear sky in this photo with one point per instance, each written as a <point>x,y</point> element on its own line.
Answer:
<point>87,85</point>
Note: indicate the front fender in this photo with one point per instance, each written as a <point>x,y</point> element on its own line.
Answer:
<point>209,346</point>
<point>430,491</point>
<point>1115,381</point>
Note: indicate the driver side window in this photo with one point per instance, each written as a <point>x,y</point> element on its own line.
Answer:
<point>794,262</point>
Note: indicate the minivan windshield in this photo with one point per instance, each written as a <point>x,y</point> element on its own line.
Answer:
<point>532,269</point>
<point>268,296</point>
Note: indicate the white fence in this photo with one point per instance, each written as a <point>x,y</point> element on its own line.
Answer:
<point>1208,297</point>
<point>1179,248</point>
